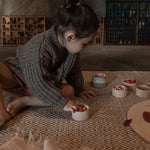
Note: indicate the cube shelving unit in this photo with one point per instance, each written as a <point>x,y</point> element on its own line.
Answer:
<point>17,30</point>
<point>121,21</point>
<point>127,22</point>
<point>144,22</point>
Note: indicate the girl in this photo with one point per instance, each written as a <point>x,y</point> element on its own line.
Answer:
<point>35,75</point>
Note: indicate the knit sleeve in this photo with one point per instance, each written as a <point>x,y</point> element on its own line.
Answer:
<point>33,75</point>
<point>46,92</point>
<point>75,78</point>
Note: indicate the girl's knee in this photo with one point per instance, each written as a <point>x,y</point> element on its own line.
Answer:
<point>68,91</point>
<point>7,78</point>
<point>71,90</point>
<point>3,70</point>
<point>1,66</point>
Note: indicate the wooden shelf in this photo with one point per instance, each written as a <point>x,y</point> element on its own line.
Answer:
<point>127,22</point>
<point>17,30</point>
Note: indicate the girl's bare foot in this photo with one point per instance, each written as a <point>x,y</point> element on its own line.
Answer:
<point>21,102</point>
<point>4,116</point>
<point>15,106</point>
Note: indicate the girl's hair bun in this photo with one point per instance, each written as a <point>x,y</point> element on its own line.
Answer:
<point>70,3</point>
<point>78,17</point>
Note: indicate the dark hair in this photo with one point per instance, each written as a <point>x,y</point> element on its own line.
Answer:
<point>80,18</point>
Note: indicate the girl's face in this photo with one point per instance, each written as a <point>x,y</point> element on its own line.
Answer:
<point>74,45</point>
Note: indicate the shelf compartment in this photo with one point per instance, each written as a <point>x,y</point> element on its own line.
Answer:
<point>17,30</point>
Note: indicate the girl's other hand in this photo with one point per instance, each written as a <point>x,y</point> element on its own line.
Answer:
<point>70,106</point>
<point>87,94</point>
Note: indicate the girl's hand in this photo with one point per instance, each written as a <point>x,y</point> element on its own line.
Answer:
<point>87,94</point>
<point>70,106</point>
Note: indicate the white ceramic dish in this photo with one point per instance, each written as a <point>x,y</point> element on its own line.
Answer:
<point>143,90</point>
<point>130,86</point>
<point>119,91</point>
<point>81,116</point>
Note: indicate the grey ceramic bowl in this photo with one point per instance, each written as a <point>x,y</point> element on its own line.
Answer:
<point>99,81</point>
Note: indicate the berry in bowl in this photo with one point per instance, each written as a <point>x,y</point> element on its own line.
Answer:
<point>82,112</point>
<point>131,84</point>
<point>119,91</point>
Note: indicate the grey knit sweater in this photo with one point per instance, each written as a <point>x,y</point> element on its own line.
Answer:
<point>43,64</point>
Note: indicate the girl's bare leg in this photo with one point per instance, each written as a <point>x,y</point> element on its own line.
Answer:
<point>4,116</point>
<point>21,102</point>
<point>67,90</point>
<point>6,81</point>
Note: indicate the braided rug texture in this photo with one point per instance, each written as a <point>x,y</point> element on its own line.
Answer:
<point>103,131</point>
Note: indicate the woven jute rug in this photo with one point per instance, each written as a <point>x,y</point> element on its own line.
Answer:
<point>103,130</point>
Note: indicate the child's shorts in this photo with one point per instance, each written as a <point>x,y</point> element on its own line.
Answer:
<point>22,90</point>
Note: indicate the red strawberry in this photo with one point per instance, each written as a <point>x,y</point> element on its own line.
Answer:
<point>84,109</point>
<point>100,76</point>
<point>128,81</point>
<point>127,122</point>
<point>134,81</point>
<point>81,108</point>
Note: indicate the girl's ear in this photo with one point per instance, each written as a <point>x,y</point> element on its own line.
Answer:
<point>70,36</point>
